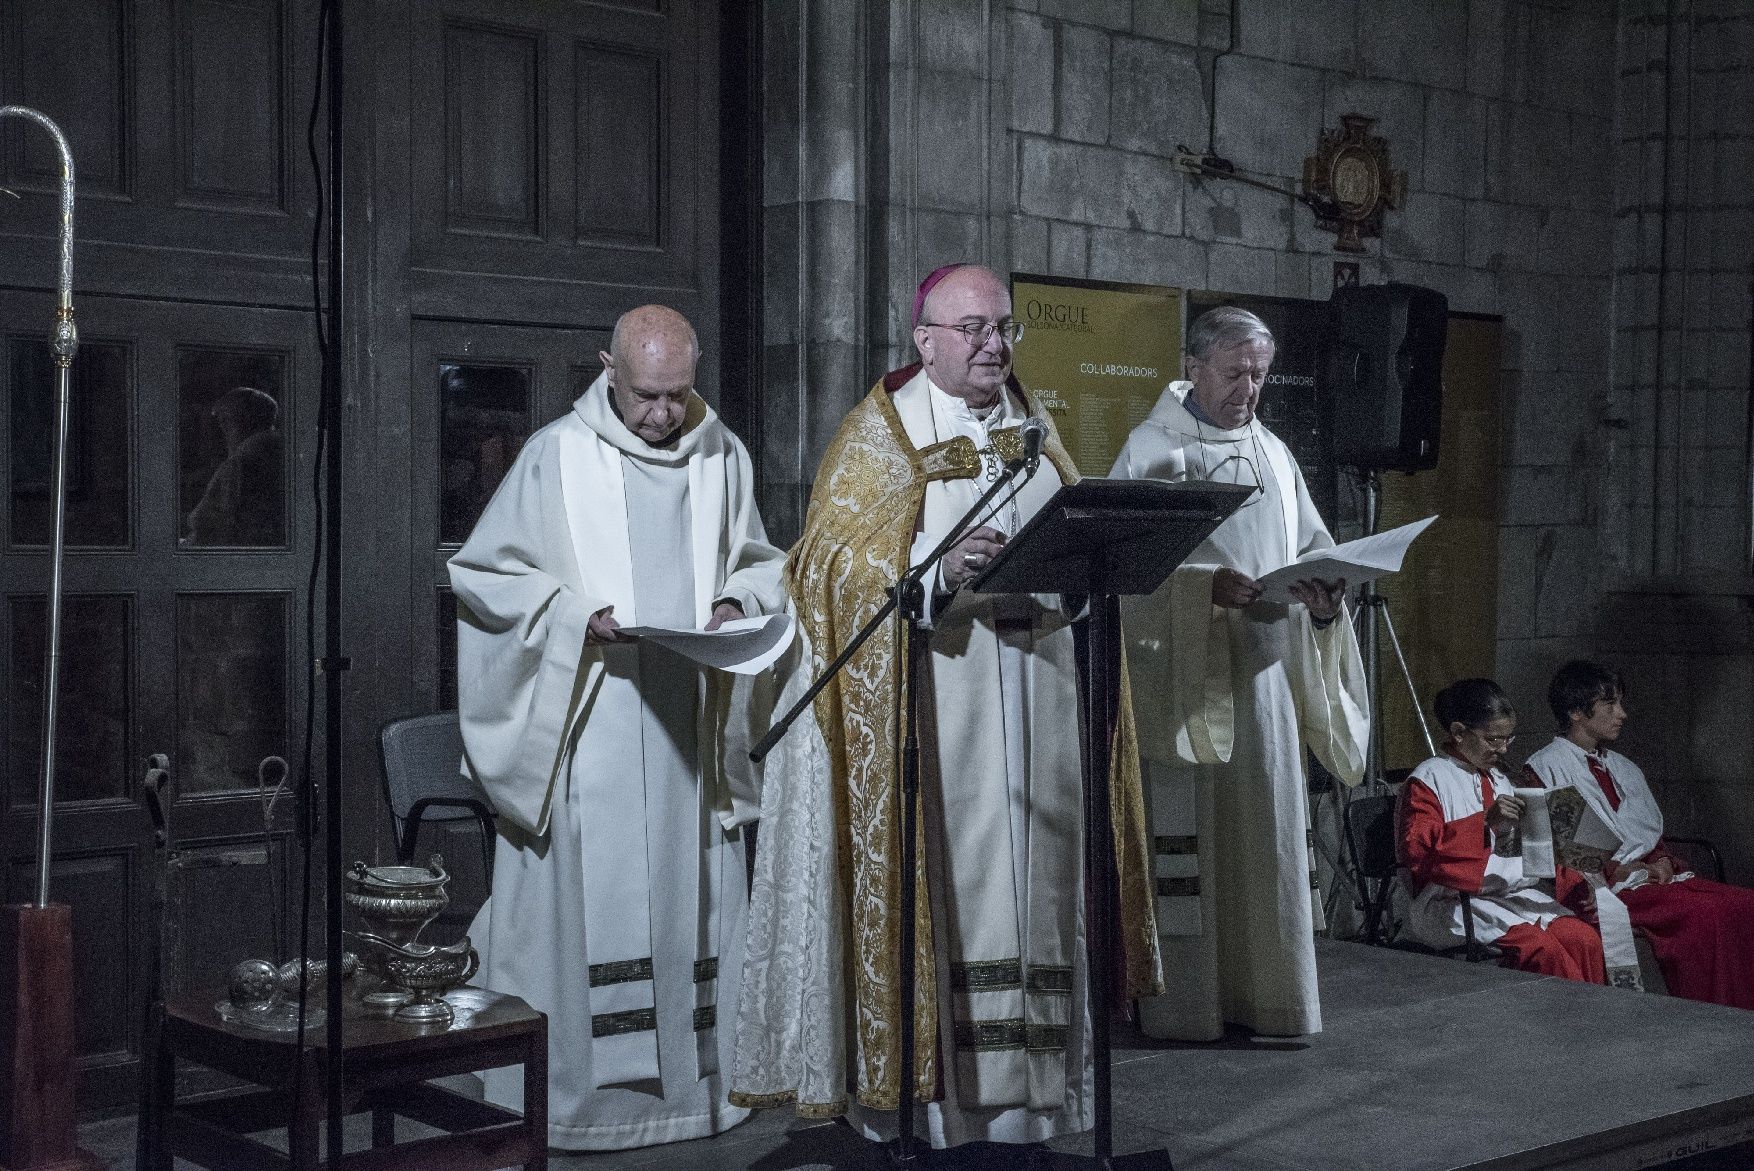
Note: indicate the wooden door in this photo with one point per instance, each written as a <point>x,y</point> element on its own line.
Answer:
<point>188,544</point>
<point>563,166</point>
<point>522,171</point>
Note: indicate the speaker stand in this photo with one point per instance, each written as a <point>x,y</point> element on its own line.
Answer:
<point>1373,609</point>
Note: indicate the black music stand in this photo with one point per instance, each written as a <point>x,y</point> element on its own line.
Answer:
<point>1099,539</point>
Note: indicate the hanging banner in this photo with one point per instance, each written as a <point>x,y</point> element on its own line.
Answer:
<point>1099,354</point>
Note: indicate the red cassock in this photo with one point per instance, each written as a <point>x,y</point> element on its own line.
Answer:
<point>1702,932</point>
<point>1446,846</point>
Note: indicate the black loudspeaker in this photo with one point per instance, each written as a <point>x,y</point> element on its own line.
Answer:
<point>1384,375</point>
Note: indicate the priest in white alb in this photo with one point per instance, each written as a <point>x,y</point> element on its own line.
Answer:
<point>1230,690</point>
<point>619,883</point>
<point>1003,1031</point>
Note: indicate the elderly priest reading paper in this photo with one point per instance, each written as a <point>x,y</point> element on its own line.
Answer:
<point>618,895</point>
<point>1231,688</point>
<point>1003,1034</point>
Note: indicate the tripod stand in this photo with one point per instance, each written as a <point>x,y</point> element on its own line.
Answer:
<point>1373,609</point>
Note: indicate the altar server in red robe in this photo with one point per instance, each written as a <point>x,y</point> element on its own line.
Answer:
<point>1701,931</point>
<point>1454,810</point>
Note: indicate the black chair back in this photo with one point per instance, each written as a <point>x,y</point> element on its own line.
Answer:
<point>422,758</point>
<point>1370,835</point>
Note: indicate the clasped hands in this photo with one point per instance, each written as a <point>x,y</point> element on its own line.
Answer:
<point>602,627</point>
<point>1234,590</point>
<point>1657,871</point>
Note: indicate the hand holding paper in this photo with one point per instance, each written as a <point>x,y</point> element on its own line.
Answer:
<point>1365,559</point>
<point>1580,838</point>
<point>742,646</point>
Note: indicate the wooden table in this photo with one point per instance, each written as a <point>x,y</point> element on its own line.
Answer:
<point>387,1067</point>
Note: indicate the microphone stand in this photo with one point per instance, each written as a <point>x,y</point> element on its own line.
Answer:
<point>907,599</point>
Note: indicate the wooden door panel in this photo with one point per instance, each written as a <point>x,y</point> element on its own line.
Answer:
<point>492,126</point>
<point>100,475</point>
<point>231,128</point>
<point>479,392</point>
<point>184,117</point>
<point>622,152</point>
<point>70,61</point>
<point>94,743</point>
<point>170,644</point>
<point>567,146</point>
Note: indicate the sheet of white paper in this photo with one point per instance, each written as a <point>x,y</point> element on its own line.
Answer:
<point>742,646</point>
<point>1536,831</point>
<point>1365,559</point>
<point>1593,832</point>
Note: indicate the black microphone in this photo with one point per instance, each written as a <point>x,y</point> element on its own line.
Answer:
<point>1035,433</point>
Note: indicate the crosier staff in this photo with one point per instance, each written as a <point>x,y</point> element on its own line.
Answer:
<point>65,343</point>
<point>37,1131</point>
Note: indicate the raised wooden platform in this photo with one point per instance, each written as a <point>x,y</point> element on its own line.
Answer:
<point>1425,1065</point>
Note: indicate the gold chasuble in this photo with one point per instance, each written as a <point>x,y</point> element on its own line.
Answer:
<point>864,511</point>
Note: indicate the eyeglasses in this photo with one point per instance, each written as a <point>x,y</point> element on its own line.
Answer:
<point>979,332</point>
<point>1498,742</point>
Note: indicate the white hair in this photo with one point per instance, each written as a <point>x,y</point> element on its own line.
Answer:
<point>1224,328</point>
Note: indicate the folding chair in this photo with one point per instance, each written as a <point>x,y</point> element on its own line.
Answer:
<point>422,757</point>
<point>1369,823</point>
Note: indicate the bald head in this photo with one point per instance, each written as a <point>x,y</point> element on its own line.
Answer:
<point>958,285</point>
<point>651,362</point>
<point>972,296</point>
<point>652,328</point>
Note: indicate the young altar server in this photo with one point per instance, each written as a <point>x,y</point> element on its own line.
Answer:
<point>1702,932</point>
<point>1455,810</point>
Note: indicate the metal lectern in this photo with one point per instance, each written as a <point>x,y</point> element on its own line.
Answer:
<point>1094,541</point>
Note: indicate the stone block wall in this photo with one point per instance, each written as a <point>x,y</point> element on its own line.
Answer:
<point>1675,523</point>
<point>1040,135</point>
<point>1495,110</point>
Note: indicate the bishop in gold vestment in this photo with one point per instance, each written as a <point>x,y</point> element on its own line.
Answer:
<point>1000,957</point>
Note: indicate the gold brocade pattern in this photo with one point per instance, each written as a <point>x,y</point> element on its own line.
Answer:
<point>857,535</point>
<point>1133,862</point>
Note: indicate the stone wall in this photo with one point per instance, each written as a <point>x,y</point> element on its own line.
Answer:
<point>1039,135</point>
<point>1495,112</point>
<point>1675,522</point>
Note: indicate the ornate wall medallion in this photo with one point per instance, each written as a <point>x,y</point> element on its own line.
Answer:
<point>1351,169</point>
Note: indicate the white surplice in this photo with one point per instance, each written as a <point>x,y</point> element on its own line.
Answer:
<point>1638,822</point>
<point>1227,701</point>
<point>1507,898</point>
<point>619,878</point>
<point>1001,789</point>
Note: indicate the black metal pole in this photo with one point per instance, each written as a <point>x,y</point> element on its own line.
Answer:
<point>334,664</point>
<point>1098,648</point>
<point>907,602</point>
<point>1099,853</point>
<point>909,614</point>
